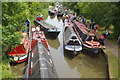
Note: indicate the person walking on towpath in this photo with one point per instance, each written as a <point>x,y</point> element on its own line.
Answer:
<point>90,24</point>
<point>118,41</point>
<point>33,30</point>
<point>93,25</point>
<point>75,14</point>
<point>107,34</point>
<point>83,20</point>
<point>80,16</point>
<point>101,40</point>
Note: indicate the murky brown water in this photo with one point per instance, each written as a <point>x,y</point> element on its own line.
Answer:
<point>82,66</point>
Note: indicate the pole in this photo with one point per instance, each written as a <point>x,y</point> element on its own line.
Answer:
<point>29,50</point>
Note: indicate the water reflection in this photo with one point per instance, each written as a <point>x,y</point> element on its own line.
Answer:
<point>87,66</point>
<point>54,43</point>
<point>82,66</point>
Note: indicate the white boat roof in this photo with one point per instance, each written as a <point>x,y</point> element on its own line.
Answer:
<point>69,33</point>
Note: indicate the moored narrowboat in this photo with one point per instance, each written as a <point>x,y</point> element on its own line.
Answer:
<point>20,53</point>
<point>88,38</point>
<point>50,30</point>
<point>71,41</point>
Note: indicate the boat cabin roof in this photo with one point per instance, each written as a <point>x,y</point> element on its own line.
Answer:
<point>70,34</point>
<point>68,24</point>
<point>85,30</point>
<point>46,25</point>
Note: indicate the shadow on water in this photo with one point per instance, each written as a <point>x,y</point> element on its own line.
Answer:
<point>87,66</point>
<point>54,43</point>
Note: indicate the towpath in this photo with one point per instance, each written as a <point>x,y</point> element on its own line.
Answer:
<point>111,45</point>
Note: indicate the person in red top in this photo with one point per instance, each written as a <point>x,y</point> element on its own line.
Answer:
<point>101,39</point>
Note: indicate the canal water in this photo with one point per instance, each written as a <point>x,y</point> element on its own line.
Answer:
<point>81,66</point>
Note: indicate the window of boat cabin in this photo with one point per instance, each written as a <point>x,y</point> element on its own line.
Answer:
<point>90,38</point>
<point>84,36</point>
<point>80,33</point>
<point>74,37</point>
<point>67,33</point>
<point>76,27</point>
<point>71,42</point>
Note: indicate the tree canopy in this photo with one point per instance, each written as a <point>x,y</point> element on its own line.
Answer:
<point>14,15</point>
<point>103,13</point>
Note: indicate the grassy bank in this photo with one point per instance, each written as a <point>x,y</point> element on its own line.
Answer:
<point>113,64</point>
<point>6,69</point>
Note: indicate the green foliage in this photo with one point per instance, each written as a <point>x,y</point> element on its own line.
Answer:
<point>103,13</point>
<point>14,15</point>
<point>6,70</point>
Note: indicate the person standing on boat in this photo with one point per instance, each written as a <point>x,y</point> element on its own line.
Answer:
<point>93,25</point>
<point>67,16</point>
<point>27,25</point>
<point>38,30</point>
<point>33,30</point>
<point>107,34</point>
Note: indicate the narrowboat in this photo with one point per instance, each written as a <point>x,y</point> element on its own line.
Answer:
<point>71,41</point>
<point>50,30</point>
<point>20,53</point>
<point>87,38</point>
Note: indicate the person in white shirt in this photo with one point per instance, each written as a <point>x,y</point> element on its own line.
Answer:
<point>33,30</point>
